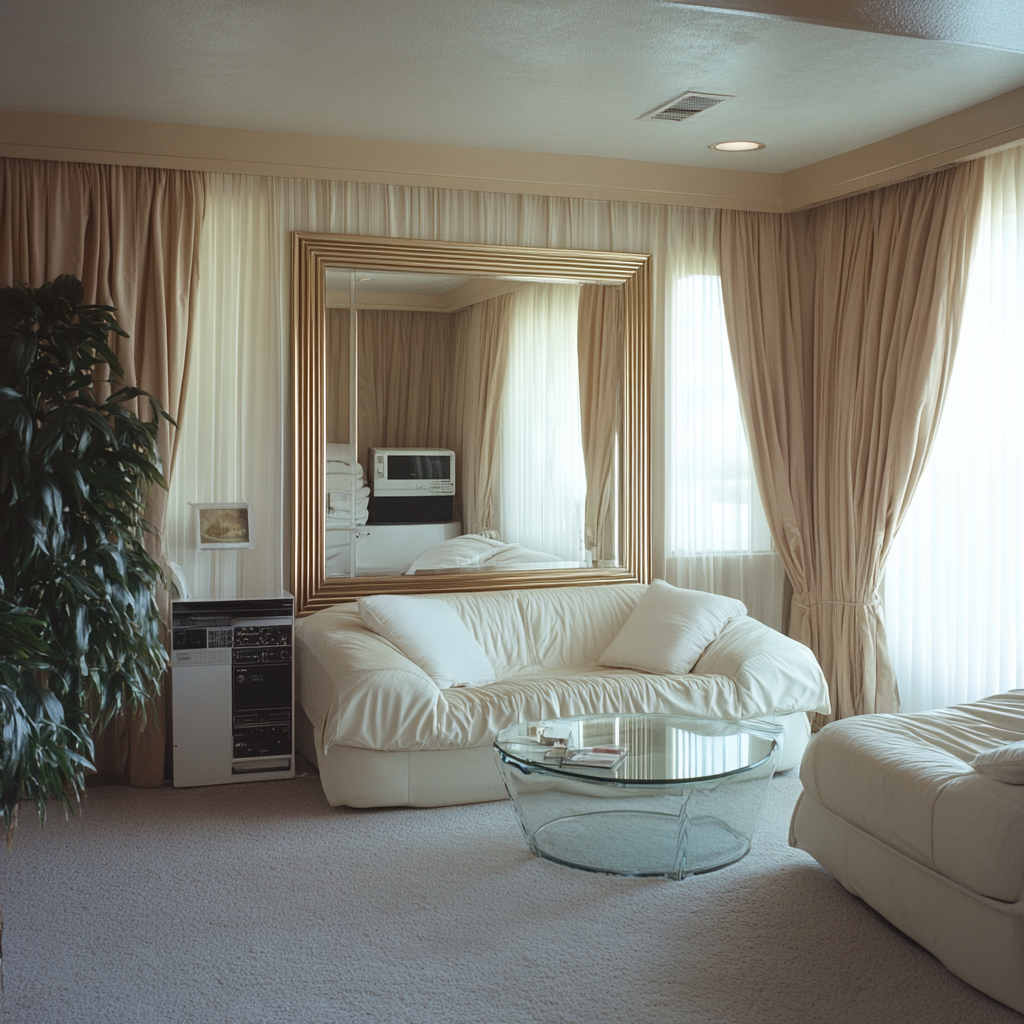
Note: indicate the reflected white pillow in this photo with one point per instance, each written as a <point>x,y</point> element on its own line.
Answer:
<point>430,634</point>
<point>669,629</point>
<point>469,549</point>
<point>1005,763</point>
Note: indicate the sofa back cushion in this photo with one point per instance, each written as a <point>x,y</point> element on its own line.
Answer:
<point>669,630</point>
<point>522,631</point>
<point>429,634</point>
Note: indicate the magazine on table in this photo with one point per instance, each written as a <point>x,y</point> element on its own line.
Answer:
<point>602,756</point>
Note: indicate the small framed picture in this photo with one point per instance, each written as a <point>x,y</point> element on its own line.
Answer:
<point>224,524</point>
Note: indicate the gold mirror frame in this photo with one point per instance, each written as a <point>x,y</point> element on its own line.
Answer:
<point>312,254</point>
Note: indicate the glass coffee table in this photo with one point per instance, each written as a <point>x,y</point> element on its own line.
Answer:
<point>680,795</point>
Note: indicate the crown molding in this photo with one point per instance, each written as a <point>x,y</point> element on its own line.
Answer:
<point>45,136</point>
<point>984,128</point>
<point>969,133</point>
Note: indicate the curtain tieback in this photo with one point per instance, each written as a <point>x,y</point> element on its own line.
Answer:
<point>810,602</point>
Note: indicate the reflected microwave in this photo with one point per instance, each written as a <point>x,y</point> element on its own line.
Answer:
<point>412,472</point>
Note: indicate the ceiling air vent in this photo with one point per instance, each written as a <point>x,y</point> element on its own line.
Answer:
<point>683,107</point>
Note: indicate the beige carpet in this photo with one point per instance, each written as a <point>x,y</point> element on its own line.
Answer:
<point>259,903</point>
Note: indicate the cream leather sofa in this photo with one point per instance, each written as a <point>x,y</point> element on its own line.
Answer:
<point>893,809</point>
<point>384,734</point>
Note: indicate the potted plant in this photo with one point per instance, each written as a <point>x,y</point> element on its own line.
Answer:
<point>79,625</point>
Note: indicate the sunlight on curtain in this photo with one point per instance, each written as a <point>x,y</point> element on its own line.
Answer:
<point>235,436</point>
<point>543,481</point>
<point>954,580</point>
<point>232,440</point>
<point>719,536</point>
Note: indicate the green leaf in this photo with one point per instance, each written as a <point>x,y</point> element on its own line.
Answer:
<point>79,626</point>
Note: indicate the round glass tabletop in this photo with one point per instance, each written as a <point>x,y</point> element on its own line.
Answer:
<point>637,749</point>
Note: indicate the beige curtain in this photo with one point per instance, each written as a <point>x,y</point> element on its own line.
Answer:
<point>599,347</point>
<point>337,425</point>
<point>131,234</point>
<point>843,322</point>
<point>482,347</point>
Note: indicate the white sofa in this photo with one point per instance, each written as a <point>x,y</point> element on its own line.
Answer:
<point>893,809</point>
<point>383,733</point>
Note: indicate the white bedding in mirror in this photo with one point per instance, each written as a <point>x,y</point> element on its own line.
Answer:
<point>474,551</point>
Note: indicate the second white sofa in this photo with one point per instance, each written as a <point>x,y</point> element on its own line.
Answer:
<point>384,733</point>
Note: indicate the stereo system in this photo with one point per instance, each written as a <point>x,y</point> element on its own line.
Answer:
<point>232,692</point>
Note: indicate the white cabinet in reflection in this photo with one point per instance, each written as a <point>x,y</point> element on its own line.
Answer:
<point>385,550</point>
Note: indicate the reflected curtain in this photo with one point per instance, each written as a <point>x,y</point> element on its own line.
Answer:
<point>599,351</point>
<point>131,234</point>
<point>482,346</point>
<point>543,482</point>
<point>406,379</point>
<point>843,323</point>
<point>337,425</point>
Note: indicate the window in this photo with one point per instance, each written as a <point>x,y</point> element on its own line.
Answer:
<point>954,579</point>
<point>718,533</point>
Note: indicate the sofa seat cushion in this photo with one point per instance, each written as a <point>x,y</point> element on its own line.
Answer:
<point>906,781</point>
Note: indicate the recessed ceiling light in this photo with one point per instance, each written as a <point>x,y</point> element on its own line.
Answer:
<point>736,147</point>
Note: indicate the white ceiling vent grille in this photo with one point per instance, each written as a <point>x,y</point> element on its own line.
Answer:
<point>683,107</point>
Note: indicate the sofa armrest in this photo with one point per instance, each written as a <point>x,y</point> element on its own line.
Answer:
<point>352,682</point>
<point>766,664</point>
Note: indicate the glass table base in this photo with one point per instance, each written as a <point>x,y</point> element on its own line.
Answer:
<point>639,843</point>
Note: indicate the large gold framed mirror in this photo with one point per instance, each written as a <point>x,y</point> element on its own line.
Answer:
<point>467,417</point>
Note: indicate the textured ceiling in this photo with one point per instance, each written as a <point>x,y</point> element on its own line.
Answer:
<point>555,76</point>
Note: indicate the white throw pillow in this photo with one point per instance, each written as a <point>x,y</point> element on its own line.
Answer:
<point>430,634</point>
<point>669,630</point>
<point>1005,763</point>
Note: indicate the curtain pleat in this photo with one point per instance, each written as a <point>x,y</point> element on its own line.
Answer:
<point>482,346</point>
<point>843,323</point>
<point>337,425</point>
<point>599,350</point>
<point>131,234</point>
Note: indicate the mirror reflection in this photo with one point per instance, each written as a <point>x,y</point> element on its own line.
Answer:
<point>472,424</point>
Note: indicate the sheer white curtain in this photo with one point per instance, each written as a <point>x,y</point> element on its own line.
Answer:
<point>542,486</point>
<point>954,579</point>
<point>232,439</point>
<point>718,533</point>
<point>236,432</point>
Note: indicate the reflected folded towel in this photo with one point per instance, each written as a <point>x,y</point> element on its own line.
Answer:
<point>343,520</point>
<point>341,501</point>
<point>339,478</point>
<point>340,453</point>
